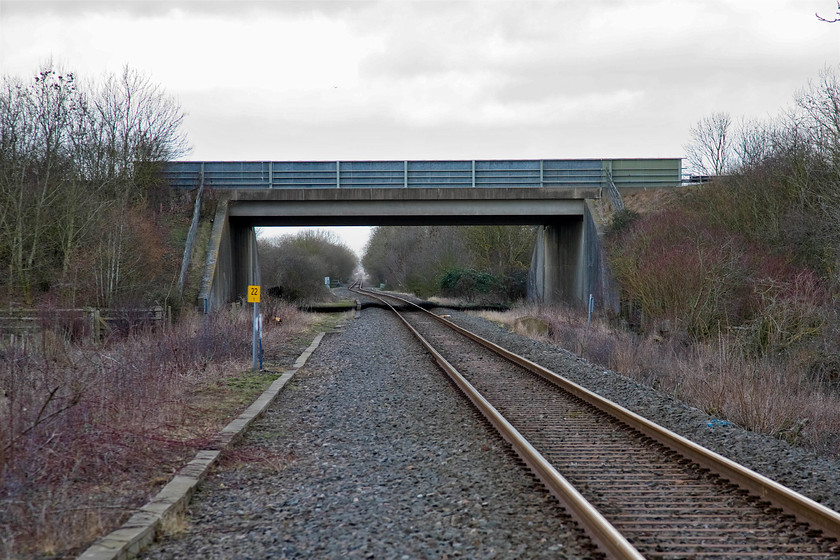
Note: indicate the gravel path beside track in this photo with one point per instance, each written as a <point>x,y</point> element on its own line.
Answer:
<point>371,453</point>
<point>815,477</point>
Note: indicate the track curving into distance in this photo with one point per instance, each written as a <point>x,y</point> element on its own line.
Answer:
<point>637,489</point>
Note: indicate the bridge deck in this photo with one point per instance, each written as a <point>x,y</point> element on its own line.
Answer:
<point>400,206</point>
<point>495,174</point>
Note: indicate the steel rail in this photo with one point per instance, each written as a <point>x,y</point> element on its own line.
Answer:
<point>614,545</point>
<point>803,508</point>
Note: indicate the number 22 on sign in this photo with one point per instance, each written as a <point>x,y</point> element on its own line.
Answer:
<point>253,294</point>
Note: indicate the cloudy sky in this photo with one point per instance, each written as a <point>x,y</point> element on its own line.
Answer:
<point>430,79</point>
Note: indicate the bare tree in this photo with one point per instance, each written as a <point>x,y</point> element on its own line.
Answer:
<point>138,124</point>
<point>821,103</point>
<point>835,20</point>
<point>37,120</point>
<point>753,143</point>
<point>67,156</point>
<point>710,150</point>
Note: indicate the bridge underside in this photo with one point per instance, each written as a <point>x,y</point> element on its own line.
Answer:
<point>566,262</point>
<point>372,207</point>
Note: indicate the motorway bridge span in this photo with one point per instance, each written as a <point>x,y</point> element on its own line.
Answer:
<point>556,195</point>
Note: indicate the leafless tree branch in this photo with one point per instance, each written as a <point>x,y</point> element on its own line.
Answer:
<point>835,20</point>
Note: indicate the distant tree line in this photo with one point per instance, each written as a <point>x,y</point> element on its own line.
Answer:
<point>293,267</point>
<point>77,188</point>
<point>470,262</point>
<point>476,263</point>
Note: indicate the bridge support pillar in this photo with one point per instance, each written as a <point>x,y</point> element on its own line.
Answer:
<point>247,263</point>
<point>232,262</point>
<point>568,264</point>
<point>557,271</point>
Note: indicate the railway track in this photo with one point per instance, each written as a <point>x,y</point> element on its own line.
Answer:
<point>637,489</point>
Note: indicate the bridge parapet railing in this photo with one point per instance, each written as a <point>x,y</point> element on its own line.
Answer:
<point>542,173</point>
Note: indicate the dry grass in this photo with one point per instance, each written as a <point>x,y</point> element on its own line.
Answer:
<point>640,201</point>
<point>646,201</point>
<point>771,397</point>
<point>87,434</point>
<point>446,301</point>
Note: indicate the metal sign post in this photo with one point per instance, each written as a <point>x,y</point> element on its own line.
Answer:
<point>254,297</point>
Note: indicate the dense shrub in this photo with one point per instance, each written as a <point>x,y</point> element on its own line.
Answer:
<point>677,268</point>
<point>416,258</point>
<point>294,266</point>
<point>755,254</point>
<point>515,284</point>
<point>471,285</point>
<point>790,311</point>
<point>621,221</point>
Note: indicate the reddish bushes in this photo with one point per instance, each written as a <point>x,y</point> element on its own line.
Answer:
<point>84,429</point>
<point>703,279</point>
<point>733,287</point>
<point>677,268</point>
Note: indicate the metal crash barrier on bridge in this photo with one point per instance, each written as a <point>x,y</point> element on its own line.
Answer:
<point>542,173</point>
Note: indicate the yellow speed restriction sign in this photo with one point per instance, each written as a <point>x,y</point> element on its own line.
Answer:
<point>253,294</point>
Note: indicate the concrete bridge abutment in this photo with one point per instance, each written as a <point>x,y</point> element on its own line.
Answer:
<point>568,265</point>
<point>232,262</point>
<point>556,273</point>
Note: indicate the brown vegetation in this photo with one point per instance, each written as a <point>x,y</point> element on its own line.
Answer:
<point>90,427</point>
<point>751,258</point>
<point>90,432</point>
<point>82,216</point>
<point>762,395</point>
<point>730,288</point>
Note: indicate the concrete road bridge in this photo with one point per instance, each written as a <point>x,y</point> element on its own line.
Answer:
<point>554,194</point>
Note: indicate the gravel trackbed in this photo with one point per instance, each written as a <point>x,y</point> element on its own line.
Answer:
<point>370,452</point>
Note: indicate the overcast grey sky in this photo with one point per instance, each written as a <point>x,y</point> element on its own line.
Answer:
<point>392,79</point>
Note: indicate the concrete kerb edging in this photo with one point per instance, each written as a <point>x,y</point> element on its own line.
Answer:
<point>140,529</point>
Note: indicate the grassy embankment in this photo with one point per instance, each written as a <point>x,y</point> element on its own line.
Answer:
<point>723,317</point>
